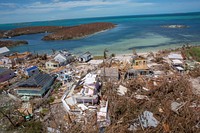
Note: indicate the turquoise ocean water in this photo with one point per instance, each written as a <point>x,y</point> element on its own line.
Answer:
<point>144,33</point>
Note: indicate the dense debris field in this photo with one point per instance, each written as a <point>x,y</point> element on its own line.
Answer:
<point>148,92</point>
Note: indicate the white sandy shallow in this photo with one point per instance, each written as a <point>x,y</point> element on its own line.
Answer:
<point>149,42</point>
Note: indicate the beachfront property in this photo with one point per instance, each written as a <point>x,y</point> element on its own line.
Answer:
<point>61,58</point>
<point>19,57</point>
<point>176,61</point>
<point>64,57</point>
<point>85,57</point>
<point>10,60</point>
<point>6,74</point>
<point>110,74</point>
<point>30,71</point>
<point>173,56</point>
<point>139,67</point>
<point>37,85</point>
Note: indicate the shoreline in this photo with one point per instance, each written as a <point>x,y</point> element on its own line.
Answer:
<point>118,53</point>
<point>142,51</point>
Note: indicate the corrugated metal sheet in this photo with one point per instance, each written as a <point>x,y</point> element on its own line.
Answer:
<point>37,80</point>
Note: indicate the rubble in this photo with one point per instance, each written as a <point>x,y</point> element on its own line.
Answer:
<point>175,106</point>
<point>122,90</point>
<point>99,96</point>
<point>147,120</point>
<point>141,97</point>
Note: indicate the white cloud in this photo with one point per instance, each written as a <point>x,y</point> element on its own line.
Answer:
<point>58,5</point>
<point>9,5</point>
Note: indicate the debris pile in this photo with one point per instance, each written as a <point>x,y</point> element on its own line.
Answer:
<point>171,107</point>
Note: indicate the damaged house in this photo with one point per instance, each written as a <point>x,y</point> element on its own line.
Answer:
<point>139,67</point>
<point>176,62</point>
<point>6,62</point>
<point>85,92</point>
<point>30,71</point>
<point>61,58</point>
<point>85,57</point>
<point>64,75</point>
<point>20,57</point>
<point>37,85</point>
<point>110,74</point>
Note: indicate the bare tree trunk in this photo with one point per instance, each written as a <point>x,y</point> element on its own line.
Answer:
<point>7,117</point>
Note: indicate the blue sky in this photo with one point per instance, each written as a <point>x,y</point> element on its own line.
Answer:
<point>12,11</point>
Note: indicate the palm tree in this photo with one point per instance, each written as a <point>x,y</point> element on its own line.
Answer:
<point>105,53</point>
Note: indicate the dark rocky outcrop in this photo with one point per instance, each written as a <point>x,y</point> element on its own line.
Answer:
<point>8,43</point>
<point>79,31</point>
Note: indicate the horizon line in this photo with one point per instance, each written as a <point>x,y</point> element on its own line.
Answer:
<point>136,15</point>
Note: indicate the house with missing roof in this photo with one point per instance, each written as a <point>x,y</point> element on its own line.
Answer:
<point>64,75</point>
<point>36,85</point>
<point>110,74</point>
<point>61,58</point>
<point>176,61</point>
<point>85,92</point>
<point>19,57</point>
<point>139,67</point>
<point>85,57</point>
<point>6,74</point>
<point>30,71</point>
<point>83,98</point>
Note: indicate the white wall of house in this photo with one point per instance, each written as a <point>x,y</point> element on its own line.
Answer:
<point>52,65</point>
<point>84,58</point>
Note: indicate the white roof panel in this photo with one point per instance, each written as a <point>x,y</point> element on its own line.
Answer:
<point>180,68</point>
<point>175,56</point>
<point>177,62</point>
<point>4,50</point>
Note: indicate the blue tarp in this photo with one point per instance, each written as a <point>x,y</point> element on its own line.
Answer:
<point>31,68</point>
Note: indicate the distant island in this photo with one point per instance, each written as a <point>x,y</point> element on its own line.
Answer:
<point>175,26</point>
<point>9,43</point>
<point>59,32</point>
<point>29,30</point>
<point>80,31</point>
<point>56,32</point>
